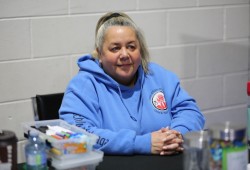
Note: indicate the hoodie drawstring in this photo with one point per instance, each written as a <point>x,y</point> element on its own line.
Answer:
<point>120,94</point>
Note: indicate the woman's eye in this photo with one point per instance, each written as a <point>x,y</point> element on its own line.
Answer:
<point>131,47</point>
<point>114,49</point>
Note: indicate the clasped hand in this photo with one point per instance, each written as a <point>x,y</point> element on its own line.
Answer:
<point>166,142</point>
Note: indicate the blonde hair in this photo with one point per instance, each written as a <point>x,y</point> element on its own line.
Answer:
<point>119,19</point>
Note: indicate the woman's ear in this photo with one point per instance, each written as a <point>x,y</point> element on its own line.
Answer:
<point>98,54</point>
<point>97,51</point>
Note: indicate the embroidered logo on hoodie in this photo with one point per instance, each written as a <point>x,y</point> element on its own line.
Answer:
<point>158,100</point>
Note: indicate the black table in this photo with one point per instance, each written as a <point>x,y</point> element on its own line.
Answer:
<point>141,162</point>
<point>136,162</point>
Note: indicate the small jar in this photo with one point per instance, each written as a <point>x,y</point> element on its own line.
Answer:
<point>228,148</point>
<point>8,150</point>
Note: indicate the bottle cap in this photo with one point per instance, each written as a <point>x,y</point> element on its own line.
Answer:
<point>248,88</point>
<point>33,133</point>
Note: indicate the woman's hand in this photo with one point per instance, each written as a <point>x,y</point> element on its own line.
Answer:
<point>166,142</point>
<point>173,146</point>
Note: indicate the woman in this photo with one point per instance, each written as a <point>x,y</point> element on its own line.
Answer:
<point>134,106</point>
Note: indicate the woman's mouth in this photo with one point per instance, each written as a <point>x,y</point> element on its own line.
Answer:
<point>124,65</point>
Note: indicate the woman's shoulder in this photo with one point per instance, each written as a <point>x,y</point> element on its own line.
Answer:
<point>161,75</point>
<point>157,69</point>
<point>81,80</point>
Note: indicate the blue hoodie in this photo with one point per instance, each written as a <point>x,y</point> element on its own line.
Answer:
<point>124,117</point>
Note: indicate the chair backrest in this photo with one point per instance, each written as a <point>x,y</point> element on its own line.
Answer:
<point>46,106</point>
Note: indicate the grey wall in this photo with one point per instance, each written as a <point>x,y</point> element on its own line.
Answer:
<point>205,42</point>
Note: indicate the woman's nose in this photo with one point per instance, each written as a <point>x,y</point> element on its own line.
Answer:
<point>124,53</point>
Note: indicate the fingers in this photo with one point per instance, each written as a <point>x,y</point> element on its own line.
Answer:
<point>168,131</point>
<point>180,149</point>
<point>172,146</point>
<point>172,138</point>
<point>157,141</point>
<point>169,137</point>
<point>178,134</point>
<point>171,149</point>
<point>173,142</point>
<point>164,129</point>
<point>168,152</point>
<point>166,142</point>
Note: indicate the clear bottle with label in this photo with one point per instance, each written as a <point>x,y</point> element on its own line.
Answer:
<point>248,120</point>
<point>35,152</point>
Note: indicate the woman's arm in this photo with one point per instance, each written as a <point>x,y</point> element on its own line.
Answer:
<point>84,112</point>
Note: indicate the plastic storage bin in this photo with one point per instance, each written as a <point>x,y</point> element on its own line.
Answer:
<point>65,148</point>
<point>64,154</point>
<point>87,161</point>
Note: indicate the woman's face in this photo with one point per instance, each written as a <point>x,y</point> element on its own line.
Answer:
<point>120,56</point>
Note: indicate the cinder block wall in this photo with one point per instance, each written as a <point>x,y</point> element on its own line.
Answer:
<point>205,42</point>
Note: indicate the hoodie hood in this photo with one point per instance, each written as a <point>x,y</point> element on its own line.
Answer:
<point>91,65</point>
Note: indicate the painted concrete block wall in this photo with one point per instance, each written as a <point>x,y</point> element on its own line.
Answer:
<point>205,42</point>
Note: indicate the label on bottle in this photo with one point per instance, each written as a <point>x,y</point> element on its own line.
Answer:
<point>248,123</point>
<point>38,159</point>
<point>235,158</point>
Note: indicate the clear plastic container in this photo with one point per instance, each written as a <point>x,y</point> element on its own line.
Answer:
<point>85,162</point>
<point>67,154</point>
<point>64,148</point>
<point>196,150</point>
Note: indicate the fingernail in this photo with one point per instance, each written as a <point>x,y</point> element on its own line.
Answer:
<point>165,147</point>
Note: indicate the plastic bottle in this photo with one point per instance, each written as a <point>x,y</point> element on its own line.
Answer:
<point>248,120</point>
<point>35,152</point>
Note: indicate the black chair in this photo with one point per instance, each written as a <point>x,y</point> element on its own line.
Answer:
<point>46,106</point>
